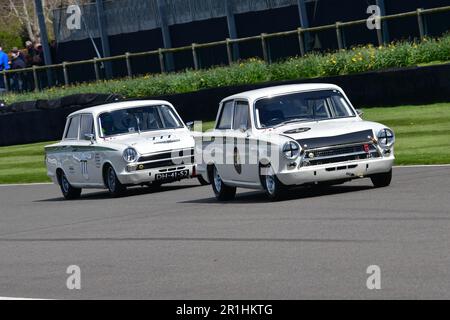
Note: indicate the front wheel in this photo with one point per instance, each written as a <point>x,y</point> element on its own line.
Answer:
<point>381,180</point>
<point>115,188</point>
<point>202,180</point>
<point>274,188</point>
<point>221,190</point>
<point>69,192</point>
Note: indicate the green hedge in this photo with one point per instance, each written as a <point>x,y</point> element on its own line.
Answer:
<point>9,40</point>
<point>355,60</point>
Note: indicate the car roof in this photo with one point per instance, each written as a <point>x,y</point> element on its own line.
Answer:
<point>269,91</point>
<point>119,105</point>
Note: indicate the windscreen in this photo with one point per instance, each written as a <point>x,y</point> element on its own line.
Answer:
<point>140,119</point>
<point>303,106</point>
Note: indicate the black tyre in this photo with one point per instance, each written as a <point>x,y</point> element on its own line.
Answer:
<point>154,185</point>
<point>115,188</point>
<point>69,192</point>
<point>274,188</point>
<point>382,179</point>
<point>221,190</point>
<point>202,181</point>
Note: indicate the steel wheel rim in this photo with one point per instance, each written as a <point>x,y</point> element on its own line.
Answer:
<point>270,181</point>
<point>65,183</point>
<point>217,180</point>
<point>111,179</point>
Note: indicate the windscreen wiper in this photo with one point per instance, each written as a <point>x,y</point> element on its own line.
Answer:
<point>290,121</point>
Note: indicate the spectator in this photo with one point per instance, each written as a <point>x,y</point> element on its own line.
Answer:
<point>17,62</point>
<point>29,53</point>
<point>38,58</point>
<point>53,51</point>
<point>4,65</point>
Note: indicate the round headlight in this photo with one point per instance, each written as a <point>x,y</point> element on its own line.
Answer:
<point>130,155</point>
<point>291,150</point>
<point>386,138</point>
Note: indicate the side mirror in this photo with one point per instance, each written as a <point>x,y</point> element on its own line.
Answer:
<point>244,129</point>
<point>89,137</point>
<point>190,125</point>
<point>360,112</point>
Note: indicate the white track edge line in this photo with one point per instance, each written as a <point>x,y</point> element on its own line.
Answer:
<point>396,167</point>
<point>26,184</point>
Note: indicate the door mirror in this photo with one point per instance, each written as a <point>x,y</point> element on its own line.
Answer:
<point>190,125</point>
<point>360,112</point>
<point>89,137</point>
<point>243,128</point>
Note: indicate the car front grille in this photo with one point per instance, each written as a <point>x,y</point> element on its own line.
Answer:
<point>166,159</point>
<point>335,154</point>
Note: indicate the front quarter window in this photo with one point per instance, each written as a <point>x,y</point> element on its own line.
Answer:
<point>241,116</point>
<point>226,116</point>
<point>73,128</point>
<point>87,126</point>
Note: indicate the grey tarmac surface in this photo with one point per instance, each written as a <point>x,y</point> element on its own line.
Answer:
<point>180,243</point>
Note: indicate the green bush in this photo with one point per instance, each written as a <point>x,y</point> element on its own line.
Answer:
<point>355,60</point>
<point>9,41</point>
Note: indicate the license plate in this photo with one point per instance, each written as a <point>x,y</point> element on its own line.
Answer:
<point>175,175</point>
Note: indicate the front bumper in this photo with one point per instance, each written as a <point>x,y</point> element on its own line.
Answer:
<point>137,177</point>
<point>336,171</point>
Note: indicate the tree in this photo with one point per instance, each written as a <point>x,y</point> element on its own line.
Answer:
<point>17,16</point>
<point>10,40</point>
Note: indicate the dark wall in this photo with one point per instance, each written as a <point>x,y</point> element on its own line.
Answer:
<point>268,21</point>
<point>384,88</point>
<point>321,12</point>
<point>200,32</point>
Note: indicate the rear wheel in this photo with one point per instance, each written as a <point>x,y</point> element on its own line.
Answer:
<point>221,190</point>
<point>115,188</point>
<point>69,192</point>
<point>274,188</point>
<point>381,180</point>
<point>202,181</point>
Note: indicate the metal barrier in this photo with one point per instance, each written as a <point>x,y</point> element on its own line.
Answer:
<point>338,26</point>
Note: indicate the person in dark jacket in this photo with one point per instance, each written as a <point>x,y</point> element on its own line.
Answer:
<point>17,62</point>
<point>29,53</point>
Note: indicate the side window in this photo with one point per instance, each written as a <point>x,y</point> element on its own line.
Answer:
<point>241,116</point>
<point>87,125</point>
<point>73,128</point>
<point>226,116</point>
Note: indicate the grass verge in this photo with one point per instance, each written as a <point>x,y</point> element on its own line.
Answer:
<point>423,137</point>
<point>313,65</point>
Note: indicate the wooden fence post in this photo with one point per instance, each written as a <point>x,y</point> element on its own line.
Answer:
<point>264,48</point>
<point>301,41</point>
<point>128,61</point>
<point>161,60</point>
<point>5,80</point>
<point>195,57</point>
<point>229,52</point>
<point>66,74</point>
<point>36,79</point>
<point>421,23</point>
<point>96,70</point>
<point>339,35</point>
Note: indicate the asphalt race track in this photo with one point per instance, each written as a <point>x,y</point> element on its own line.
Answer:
<point>179,243</point>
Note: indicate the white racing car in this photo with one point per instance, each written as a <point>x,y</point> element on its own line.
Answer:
<point>285,136</point>
<point>121,144</point>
